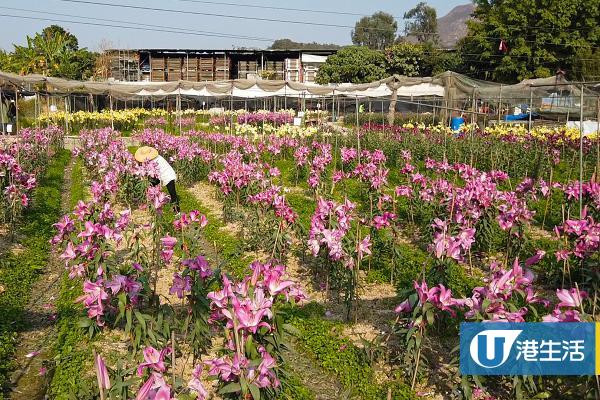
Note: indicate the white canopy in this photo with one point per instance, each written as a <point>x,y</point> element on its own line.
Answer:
<point>240,88</point>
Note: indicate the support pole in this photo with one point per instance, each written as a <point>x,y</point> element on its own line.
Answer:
<point>16,111</point>
<point>357,132</point>
<point>112,119</point>
<point>530,110</point>
<point>48,110</point>
<point>66,115</point>
<point>598,141</point>
<point>499,104</point>
<point>2,109</point>
<point>35,112</point>
<point>231,110</point>
<point>581,153</point>
<point>333,106</point>
<point>357,112</point>
<point>179,108</point>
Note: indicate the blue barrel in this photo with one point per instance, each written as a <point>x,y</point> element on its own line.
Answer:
<point>456,123</point>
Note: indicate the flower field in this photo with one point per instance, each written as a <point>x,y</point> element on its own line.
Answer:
<point>307,262</point>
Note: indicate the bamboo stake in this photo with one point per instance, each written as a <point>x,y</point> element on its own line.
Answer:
<point>173,356</point>
<point>581,153</point>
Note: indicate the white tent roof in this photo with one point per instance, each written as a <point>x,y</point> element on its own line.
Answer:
<point>241,88</point>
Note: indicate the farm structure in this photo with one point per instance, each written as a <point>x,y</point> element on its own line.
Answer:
<point>170,65</point>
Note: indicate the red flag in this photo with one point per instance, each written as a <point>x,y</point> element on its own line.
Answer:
<point>503,47</point>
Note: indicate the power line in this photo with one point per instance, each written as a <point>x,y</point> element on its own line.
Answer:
<point>273,19</point>
<point>207,14</point>
<point>276,8</point>
<point>116,26</point>
<point>169,29</point>
<point>184,30</point>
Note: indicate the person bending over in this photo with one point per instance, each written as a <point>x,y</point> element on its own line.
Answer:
<point>166,173</point>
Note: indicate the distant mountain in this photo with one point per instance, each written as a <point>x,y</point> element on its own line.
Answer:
<point>453,26</point>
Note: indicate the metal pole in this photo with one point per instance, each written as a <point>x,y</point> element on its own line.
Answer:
<point>231,110</point>
<point>66,115</point>
<point>2,107</point>
<point>179,108</point>
<point>16,111</point>
<point>598,142</point>
<point>112,120</point>
<point>581,153</point>
<point>333,106</point>
<point>499,103</point>
<point>35,112</point>
<point>530,110</point>
<point>48,110</point>
<point>357,112</point>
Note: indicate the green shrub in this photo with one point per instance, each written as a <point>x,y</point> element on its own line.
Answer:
<point>381,118</point>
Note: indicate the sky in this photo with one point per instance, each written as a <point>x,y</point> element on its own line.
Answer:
<point>201,30</point>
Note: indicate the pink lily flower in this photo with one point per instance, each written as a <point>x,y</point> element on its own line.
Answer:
<point>153,359</point>
<point>570,298</point>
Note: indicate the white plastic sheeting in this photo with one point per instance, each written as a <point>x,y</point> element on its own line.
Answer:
<point>254,92</point>
<point>239,88</point>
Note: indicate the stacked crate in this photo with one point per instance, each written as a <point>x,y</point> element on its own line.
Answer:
<point>310,74</point>
<point>206,68</point>
<point>247,67</point>
<point>190,69</point>
<point>292,69</point>
<point>277,68</point>
<point>222,68</point>
<point>157,65</point>
<point>173,69</point>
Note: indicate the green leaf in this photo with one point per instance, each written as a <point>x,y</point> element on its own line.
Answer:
<point>129,321</point>
<point>255,391</point>
<point>429,315</point>
<point>233,387</point>
<point>140,318</point>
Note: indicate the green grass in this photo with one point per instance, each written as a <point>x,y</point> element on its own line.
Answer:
<point>72,349</point>
<point>19,271</point>
<point>324,342</point>
<point>70,353</point>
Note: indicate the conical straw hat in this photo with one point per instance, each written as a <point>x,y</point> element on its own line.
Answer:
<point>146,153</point>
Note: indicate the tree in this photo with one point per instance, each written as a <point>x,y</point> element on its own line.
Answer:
<point>541,36</point>
<point>376,32</point>
<point>56,31</point>
<point>286,44</point>
<point>421,23</point>
<point>405,59</point>
<point>355,64</point>
<point>53,52</point>
<point>587,65</point>
<point>416,59</point>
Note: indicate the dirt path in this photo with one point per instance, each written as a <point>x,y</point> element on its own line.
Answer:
<point>32,375</point>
